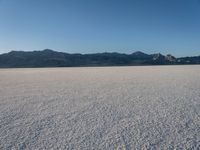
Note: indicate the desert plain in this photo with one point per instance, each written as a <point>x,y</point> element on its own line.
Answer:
<point>139,107</point>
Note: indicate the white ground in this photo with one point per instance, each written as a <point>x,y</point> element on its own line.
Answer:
<point>100,108</point>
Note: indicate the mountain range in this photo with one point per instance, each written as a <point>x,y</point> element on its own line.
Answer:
<point>50,58</point>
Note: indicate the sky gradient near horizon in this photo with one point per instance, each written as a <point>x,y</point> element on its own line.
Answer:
<point>90,26</point>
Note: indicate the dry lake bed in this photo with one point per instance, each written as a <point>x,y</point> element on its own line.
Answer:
<point>148,107</point>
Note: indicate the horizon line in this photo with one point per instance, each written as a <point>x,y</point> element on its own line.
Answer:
<point>97,52</point>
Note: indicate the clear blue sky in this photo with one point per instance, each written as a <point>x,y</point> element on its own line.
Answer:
<point>89,26</point>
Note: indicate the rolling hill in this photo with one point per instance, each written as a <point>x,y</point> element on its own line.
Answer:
<point>50,58</point>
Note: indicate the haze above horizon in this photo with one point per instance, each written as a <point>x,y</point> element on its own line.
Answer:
<point>91,26</point>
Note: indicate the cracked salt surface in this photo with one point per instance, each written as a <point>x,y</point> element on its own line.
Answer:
<point>100,108</point>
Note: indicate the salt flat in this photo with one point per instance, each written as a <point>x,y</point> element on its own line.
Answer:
<point>149,107</point>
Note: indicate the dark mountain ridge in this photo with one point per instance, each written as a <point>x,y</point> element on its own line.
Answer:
<point>50,58</point>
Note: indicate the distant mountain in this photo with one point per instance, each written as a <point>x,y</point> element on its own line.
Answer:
<point>50,58</point>
<point>139,54</point>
